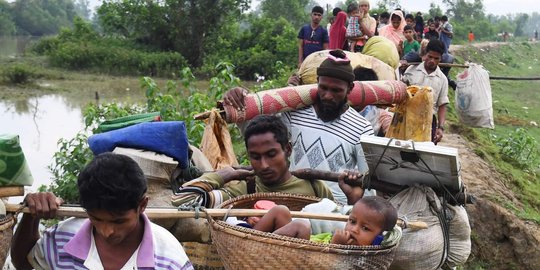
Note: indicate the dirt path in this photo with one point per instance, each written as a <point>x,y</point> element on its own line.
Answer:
<point>499,237</point>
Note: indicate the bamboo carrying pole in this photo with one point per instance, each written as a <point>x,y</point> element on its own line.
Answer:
<point>11,191</point>
<point>169,213</point>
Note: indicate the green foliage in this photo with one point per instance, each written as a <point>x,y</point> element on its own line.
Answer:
<point>520,148</point>
<point>37,18</point>
<point>254,47</point>
<point>292,11</point>
<point>19,74</point>
<point>7,26</point>
<point>178,100</point>
<point>68,161</point>
<point>172,25</point>
<point>83,48</point>
<point>181,100</point>
<point>510,113</point>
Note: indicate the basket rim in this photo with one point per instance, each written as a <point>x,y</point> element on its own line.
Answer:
<point>7,222</point>
<point>279,240</point>
<point>267,195</point>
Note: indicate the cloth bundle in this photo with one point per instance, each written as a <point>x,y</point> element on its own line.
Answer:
<point>13,166</point>
<point>297,97</point>
<point>127,121</point>
<point>168,138</point>
<point>308,70</point>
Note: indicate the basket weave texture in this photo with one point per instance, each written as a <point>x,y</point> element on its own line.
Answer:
<point>6,233</point>
<point>242,248</point>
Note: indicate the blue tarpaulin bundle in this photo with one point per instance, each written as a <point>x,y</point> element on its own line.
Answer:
<point>168,138</point>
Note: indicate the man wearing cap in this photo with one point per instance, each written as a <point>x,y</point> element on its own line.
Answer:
<point>326,135</point>
<point>312,37</point>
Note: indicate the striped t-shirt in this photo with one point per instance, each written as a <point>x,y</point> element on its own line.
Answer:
<point>67,246</point>
<point>330,146</point>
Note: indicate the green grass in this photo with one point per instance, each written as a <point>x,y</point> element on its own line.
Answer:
<point>515,104</point>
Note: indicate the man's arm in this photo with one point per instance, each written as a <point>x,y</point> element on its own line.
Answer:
<point>441,118</point>
<point>42,205</point>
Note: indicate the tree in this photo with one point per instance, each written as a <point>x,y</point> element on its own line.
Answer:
<point>388,4</point>
<point>7,26</point>
<point>521,20</point>
<point>462,9</point>
<point>292,10</point>
<point>39,18</point>
<point>82,9</point>
<point>435,10</point>
<point>170,25</point>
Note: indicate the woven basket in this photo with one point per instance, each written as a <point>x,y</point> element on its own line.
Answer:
<point>6,233</point>
<point>242,248</point>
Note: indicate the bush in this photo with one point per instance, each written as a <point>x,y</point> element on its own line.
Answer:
<point>520,149</point>
<point>83,48</point>
<point>178,100</point>
<point>19,74</point>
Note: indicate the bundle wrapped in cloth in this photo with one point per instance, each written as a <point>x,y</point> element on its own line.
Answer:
<point>297,97</point>
<point>308,70</point>
<point>14,169</point>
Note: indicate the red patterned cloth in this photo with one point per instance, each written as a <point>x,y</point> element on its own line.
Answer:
<point>297,97</point>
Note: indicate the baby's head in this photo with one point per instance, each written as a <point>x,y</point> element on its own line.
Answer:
<point>353,9</point>
<point>370,217</point>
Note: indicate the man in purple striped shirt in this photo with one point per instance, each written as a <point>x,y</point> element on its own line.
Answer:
<point>117,234</point>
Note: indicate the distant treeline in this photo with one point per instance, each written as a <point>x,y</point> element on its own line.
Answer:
<point>153,37</point>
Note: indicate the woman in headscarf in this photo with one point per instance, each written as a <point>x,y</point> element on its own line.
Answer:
<point>394,30</point>
<point>368,25</point>
<point>337,32</point>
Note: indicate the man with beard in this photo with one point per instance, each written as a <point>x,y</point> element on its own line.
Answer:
<point>268,148</point>
<point>326,135</point>
<point>429,74</point>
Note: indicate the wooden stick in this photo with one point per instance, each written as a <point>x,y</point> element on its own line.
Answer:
<point>171,213</point>
<point>440,65</point>
<point>10,191</point>
<point>205,115</point>
<point>515,78</point>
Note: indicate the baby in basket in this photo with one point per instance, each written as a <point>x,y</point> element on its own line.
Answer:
<point>368,219</point>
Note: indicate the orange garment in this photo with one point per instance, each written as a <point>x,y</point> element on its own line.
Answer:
<point>471,36</point>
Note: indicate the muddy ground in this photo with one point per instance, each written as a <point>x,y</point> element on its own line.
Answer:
<point>500,239</point>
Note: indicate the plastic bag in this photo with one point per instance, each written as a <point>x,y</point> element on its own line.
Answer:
<point>413,117</point>
<point>14,169</point>
<point>216,143</point>
<point>473,97</point>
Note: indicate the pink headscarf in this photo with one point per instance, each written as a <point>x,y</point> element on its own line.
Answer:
<point>337,32</point>
<point>391,33</point>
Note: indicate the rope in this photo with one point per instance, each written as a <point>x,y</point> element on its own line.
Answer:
<point>515,78</point>
<point>434,175</point>
<point>367,182</point>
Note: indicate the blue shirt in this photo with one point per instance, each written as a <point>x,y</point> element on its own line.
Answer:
<point>313,40</point>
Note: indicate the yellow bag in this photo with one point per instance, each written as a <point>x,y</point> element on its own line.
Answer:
<point>413,117</point>
<point>216,143</point>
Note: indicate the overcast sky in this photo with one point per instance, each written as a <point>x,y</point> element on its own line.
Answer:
<point>496,7</point>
